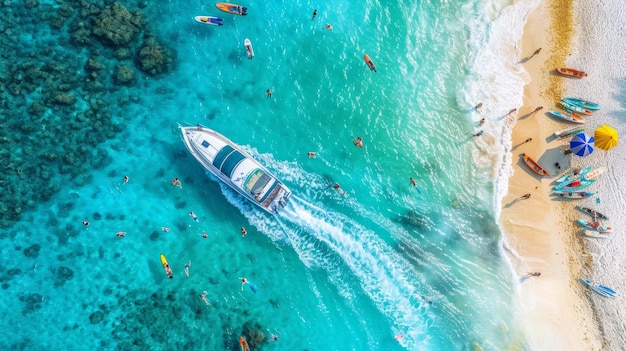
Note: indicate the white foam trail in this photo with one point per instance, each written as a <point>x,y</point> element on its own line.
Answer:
<point>384,276</point>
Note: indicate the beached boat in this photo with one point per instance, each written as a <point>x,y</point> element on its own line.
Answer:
<point>599,288</point>
<point>593,174</point>
<point>575,108</point>
<point>210,20</point>
<point>570,118</point>
<point>369,63</point>
<point>574,194</point>
<point>573,175</point>
<point>582,103</point>
<point>576,185</point>
<point>235,167</point>
<point>592,213</point>
<point>568,131</point>
<point>534,166</point>
<point>594,234</point>
<point>594,225</point>
<point>571,72</point>
<point>232,8</point>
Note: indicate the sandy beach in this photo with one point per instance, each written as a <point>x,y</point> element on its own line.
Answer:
<point>539,232</point>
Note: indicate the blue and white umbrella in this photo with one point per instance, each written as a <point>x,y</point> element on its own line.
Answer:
<point>581,144</point>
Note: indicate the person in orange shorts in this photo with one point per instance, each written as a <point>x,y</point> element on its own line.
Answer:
<point>358,142</point>
<point>120,234</point>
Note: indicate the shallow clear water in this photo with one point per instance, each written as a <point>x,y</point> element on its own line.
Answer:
<point>331,272</point>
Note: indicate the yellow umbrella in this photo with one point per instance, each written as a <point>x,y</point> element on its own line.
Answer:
<point>606,137</point>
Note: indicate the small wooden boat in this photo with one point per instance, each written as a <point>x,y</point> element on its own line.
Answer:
<point>571,72</point>
<point>594,234</point>
<point>592,213</point>
<point>570,118</point>
<point>166,267</point>
<point>232,8</point>
<point>534,166</point>
<point>582,103</point>
<point>594,225</point>
<point>576,185</point>
<point>248,45</point>
<point>599,288</point>
<point>210,20</point>
<point>369,63</point>
<point>575,108</point>
<point>593,174</point>
<point>568,131</point>
<point>574,194</point>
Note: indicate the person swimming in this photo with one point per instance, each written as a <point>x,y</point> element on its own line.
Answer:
<point>187,265</point>
<point>193,215</point>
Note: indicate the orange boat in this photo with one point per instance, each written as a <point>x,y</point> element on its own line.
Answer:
<point>370,63</point>
<point>571,72</point>
<point>244,344</point>
<point>534,166</point>
<point>232,8</point>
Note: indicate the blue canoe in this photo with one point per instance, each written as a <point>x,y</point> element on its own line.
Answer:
<point>575,185</point>
<point>599,289</point>
<point>582,103</point>
<point>575,108</point>
<point>573,118</point>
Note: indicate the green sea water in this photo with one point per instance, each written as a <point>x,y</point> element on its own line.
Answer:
<point>330,272</point>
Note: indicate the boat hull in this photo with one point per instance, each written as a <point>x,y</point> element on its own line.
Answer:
<point>594,234</point>
<point>210,20</point>
<point>571,72</point>
<point>599,288</point>
<point>594,226</point>
<point>369,63</point>
<point>575,108</point>
<point>534,166</point>
<point>582,103</point>
<point>573,118</point>
<point>575,185</point>
<point>235,168</point>
<point>232,8</point>
<point>574,194</point>
<point>592,213</point>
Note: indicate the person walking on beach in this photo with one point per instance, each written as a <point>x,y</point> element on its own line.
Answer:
<point>538,108</point>
<point>478,134</point>
<point>358,142</point>
<point>244,281</point>
<point>524,197</point>
<point>527,140</point>
<point>482,121</point>
<point>314,14</point>
<point>193,215</point>
<point>478,106</point>
<point>537,52</point>
<point>513,110</point>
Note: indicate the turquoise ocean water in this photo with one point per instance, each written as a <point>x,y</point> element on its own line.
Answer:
<point>331,272</point>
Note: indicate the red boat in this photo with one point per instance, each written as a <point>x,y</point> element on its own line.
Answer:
<point>571,72</point>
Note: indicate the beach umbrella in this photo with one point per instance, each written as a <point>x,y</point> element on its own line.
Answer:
<point>606,137</point>
<point>581,144</point>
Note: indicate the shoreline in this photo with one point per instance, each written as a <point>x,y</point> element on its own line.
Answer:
<point>539,232</point>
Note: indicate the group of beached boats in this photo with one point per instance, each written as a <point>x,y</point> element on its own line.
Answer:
<point>574,111</point>
<point>571,184</point>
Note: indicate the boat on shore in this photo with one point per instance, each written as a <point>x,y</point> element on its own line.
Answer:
<point>534,166</point>
<point>582,103</point>
<point>592,213</point>
<point>575,108</point>
<point>568,131</point>
<point>574,194</point>
<point>210,20</point>
<point>571,72</point>
<point>576,185</point>
<point>594,234</point>
<point>599,288</point>
<point>594,225</point>
<point>570,118</point>
<point>235,167</point>
<point>232,8</point>
<point>369,63</point>
<point>573,175</point>
<point>594,173</point>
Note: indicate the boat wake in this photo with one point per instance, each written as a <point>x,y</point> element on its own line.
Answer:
<point>334,242</point>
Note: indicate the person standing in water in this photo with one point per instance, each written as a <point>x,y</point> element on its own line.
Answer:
<point>314,14</point>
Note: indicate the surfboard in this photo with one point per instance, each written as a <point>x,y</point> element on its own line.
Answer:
<point>210,20</point>
<point>248,45</point>
<point>166,267</point>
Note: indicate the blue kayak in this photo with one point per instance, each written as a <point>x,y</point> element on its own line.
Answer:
<point>582,103</point>
<point>213,21</point>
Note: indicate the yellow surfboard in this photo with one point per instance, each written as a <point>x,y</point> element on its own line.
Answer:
<point>166,267</point>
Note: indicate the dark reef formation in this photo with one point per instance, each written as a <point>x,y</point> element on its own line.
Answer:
<point>58,93</point>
